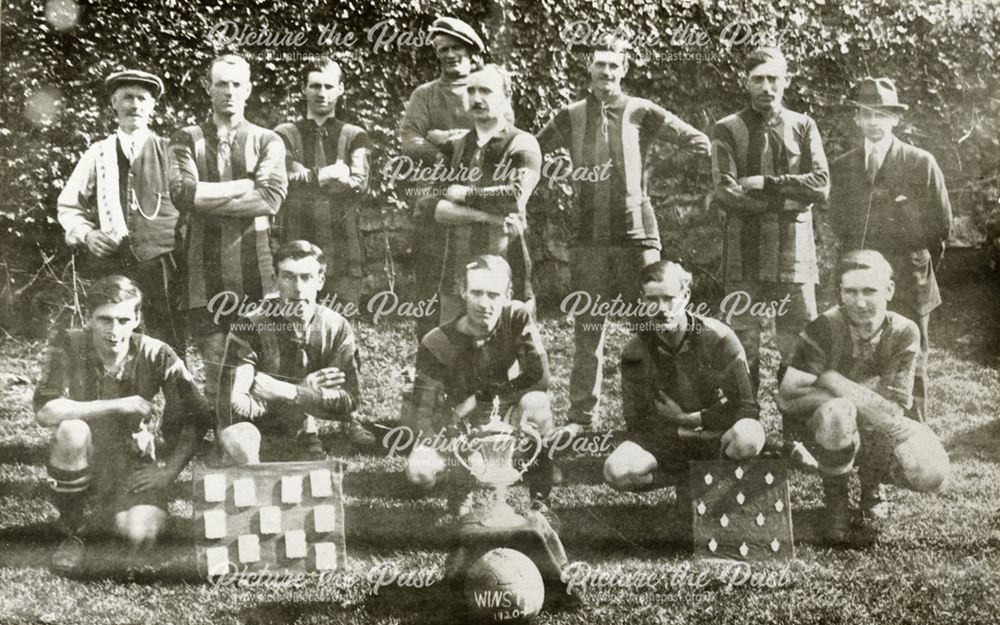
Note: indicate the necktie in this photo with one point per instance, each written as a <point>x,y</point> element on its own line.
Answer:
<point>320,146</point>
<point>872,166</point>
<point>225,152</point>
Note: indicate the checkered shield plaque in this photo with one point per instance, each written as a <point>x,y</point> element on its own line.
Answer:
<point>741,510</point>
<point>279,517</point>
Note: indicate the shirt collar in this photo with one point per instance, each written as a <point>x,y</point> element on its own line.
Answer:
<point>881,148</point>
<point>136,139</point>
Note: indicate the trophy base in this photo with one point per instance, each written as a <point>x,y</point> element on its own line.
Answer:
<point>531,534</point>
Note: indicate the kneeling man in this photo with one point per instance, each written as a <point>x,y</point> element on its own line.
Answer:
<point>492,351</point>
<point>845,393</point>
<point>290,362</point>
<point>96,392</point>
<point>686,391</point>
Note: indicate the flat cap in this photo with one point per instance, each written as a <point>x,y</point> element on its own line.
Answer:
<point>454,27</point>
<point>134,77</point>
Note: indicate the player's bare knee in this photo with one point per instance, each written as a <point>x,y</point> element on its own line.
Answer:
<point>73,434</point>
<point>628,466</point>
<point>70,444</point>
<point>744,440</point>
<point>424,466</point>
<point>140,526</point>
<point>537,410</point>
<point>240,443</point>
<point>834,424</point>
<point>922,462</point>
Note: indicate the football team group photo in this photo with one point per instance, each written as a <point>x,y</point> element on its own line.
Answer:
<point>484,312</point>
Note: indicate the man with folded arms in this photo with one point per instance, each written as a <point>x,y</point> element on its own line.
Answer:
<point>686,392</point>
<point>487,215</point>
<point>228,177</point>
<point>287,364</point>
<point>327,179</point>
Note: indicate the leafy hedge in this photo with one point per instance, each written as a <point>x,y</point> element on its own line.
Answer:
<point>943,54</point>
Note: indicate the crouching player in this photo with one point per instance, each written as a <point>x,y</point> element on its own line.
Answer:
<point>686,392</point>
<point>96,393</point>
<point>845,392</point>
<point>291,361</point>
<point>493,350</point>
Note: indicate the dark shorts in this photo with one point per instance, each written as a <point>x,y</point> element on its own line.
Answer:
<point>112,474</point>
<point>673,455</point>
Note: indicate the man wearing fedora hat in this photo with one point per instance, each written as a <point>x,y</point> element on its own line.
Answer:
<point>116,204</point>
<point>890,196</point>
<point>436,113</point>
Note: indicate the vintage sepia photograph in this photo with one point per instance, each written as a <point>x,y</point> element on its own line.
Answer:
<point>499,311</point>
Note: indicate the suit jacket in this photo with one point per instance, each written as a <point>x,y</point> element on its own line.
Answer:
<point>905,214</point>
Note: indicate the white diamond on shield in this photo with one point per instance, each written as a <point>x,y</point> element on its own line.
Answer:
<point>739,473</point>
<point>740,498</point>
<point>701,507</point>
<point>708,479</point>
<point>712,545</point>
<point>775,545</point>
<point>769,478</point>
<point>760,519</point>
<point>744,550</point>
<point>724,521</point>
<point>779,505</point>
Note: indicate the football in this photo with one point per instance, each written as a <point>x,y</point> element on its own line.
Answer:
<point>504,586</point>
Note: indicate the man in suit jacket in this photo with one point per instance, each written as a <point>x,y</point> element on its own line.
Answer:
<point>890,196</point>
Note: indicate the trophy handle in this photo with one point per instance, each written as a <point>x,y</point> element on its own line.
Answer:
<point>460,441</point>
<point>538,447</point>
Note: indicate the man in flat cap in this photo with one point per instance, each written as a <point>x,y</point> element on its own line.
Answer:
<point>437,112</point>
<point>769,169</point>
<point>890,196</point>
<point>228,175</point>
<point>608,134</point>
<point>116,204</point>
<point>327,178</point>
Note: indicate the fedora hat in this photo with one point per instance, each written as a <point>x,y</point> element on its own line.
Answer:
<point>878,93</point>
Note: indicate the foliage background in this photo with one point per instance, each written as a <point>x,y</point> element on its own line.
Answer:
<point>54,56</point>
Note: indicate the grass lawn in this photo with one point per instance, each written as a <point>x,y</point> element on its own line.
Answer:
<point>936,562</point>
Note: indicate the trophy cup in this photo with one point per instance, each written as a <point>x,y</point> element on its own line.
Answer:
<point>492,527</point>
<point>490,460</point>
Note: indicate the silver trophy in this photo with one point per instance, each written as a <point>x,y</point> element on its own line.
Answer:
<point>487,452</point>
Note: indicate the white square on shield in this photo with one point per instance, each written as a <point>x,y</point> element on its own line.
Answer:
<point>319,482</point>
<point>270,520</point>
<point>295,544</point>
<point>249,548</point>
<point>244,492</point>
<point>215,487</point>
<point>325,518</point>
<point>217,560</point>
<point>326,556</point>
<point>215,524</point>
<point>291,489</point>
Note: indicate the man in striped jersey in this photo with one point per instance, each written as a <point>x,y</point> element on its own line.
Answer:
<point>437,112</point>
<point>228,177</point>
<point>487,214</point>
<point>608,135</point>
<point>327,178</point>
<point>287,363</point>
<point>769,169</point>
<point>96,392</point>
